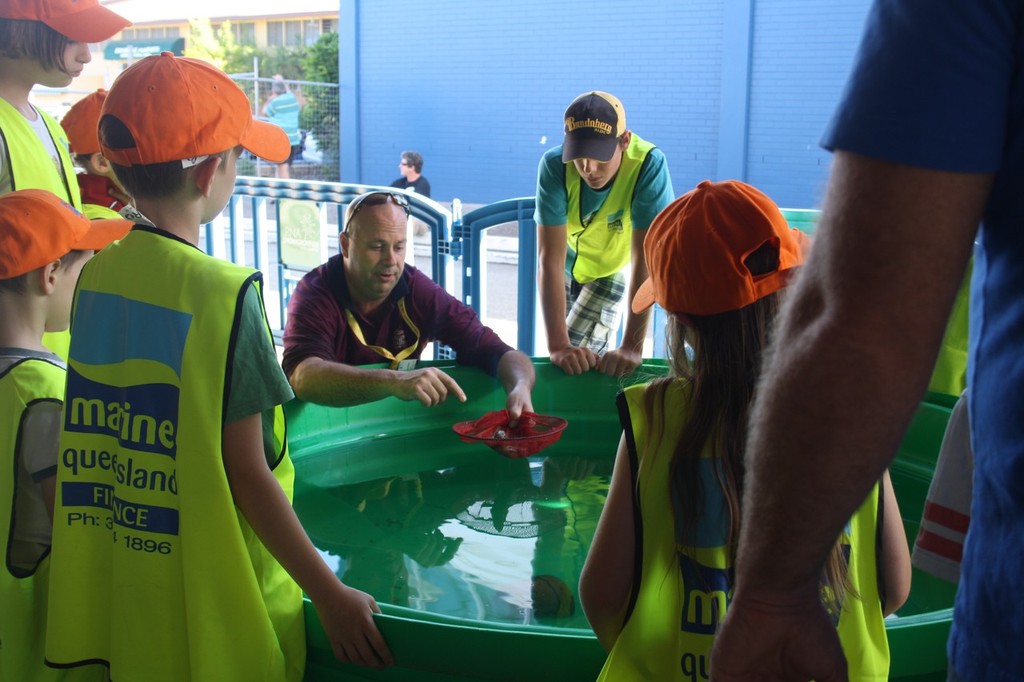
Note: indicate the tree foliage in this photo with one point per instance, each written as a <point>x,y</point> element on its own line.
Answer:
<point>286,61</point>
<point>219,47</point>
<point>209,44</point>
<point>321,60</point>
<point>320,115</point>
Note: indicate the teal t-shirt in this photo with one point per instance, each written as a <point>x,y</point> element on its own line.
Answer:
<point>653,191</point>
<point>258,383</point>
<point>283,111</point>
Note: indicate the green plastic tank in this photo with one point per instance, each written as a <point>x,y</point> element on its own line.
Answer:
<point>390,483</point>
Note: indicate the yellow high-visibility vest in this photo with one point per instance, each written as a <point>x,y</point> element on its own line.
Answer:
<point>604,245</point>
<point>154,569</point>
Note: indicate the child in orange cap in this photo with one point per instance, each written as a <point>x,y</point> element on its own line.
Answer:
<point>174,535</point>
<point>659,579</point>
<point>44,42</point>
<point>44,243</point>
<point>102,196</point>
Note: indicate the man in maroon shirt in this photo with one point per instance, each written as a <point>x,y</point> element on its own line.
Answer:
<point>364,306</point>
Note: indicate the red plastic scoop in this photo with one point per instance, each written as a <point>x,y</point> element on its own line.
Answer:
<point>530,435</point>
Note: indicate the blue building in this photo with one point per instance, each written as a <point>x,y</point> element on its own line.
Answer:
<point>727,88</point>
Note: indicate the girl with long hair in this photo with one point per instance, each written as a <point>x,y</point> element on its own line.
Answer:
<point>658,579</point>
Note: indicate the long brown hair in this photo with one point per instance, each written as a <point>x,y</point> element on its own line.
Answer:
<point>720,357</point>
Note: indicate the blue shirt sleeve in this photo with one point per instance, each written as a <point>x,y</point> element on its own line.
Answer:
<point>653,190</point>
<point>929,86</point>
<point>552,199</point>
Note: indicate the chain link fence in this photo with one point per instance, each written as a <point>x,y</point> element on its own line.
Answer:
<point>318,126</point>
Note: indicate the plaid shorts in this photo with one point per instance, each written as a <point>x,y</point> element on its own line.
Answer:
<point>595,309</point>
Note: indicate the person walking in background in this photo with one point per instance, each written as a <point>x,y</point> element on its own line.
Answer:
<point>411,168</point>
<point>929,143</point>
<point>282,109</point>
<point>596,195</point>
<point>659,577</point>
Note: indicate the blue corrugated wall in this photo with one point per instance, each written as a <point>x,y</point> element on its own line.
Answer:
<point>727,88</point>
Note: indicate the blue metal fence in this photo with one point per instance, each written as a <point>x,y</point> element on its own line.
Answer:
<point>468,232</point>
<point>253,231</point>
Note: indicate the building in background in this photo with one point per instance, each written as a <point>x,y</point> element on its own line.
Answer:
<point>730,89</point>
<point>259,23</point>
<point>158,27</point>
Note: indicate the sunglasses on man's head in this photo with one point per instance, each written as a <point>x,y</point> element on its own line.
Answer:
<point>376,199</point>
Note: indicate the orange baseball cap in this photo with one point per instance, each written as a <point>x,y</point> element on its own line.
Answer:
<point>82,121</point>
<point>183,109</point>
<point>84,21</point>
<point>696,248</point>
<point>37,227</point>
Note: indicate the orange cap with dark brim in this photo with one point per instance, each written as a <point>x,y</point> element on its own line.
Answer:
<point>696,250</point>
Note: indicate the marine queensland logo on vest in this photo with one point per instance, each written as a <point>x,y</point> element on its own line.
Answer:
<point>615,221</point>
<point>707,593</point>
<point>702,557</point>
<point>121,417</point>
<point>141,417</point>
<point>132,391</point>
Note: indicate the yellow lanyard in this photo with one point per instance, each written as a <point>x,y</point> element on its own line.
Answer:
<point>384,352</point>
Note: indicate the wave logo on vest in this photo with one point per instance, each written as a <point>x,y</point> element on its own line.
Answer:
<point>615,221</point>
<point>707,581</point>
<point>139,417</point>
<point>707,592</point>
<point>122,413</point>
<point>144,414</point>
<point>702,556</point>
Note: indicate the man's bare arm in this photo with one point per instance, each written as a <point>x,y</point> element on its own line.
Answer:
<point>339,385</point>
<point>517,376</point>
<point>853,353</point>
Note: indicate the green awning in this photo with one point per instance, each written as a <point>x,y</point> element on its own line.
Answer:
<point>137,49</point>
